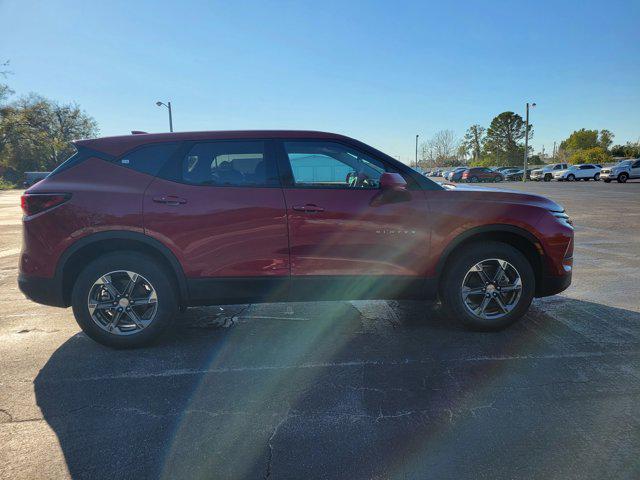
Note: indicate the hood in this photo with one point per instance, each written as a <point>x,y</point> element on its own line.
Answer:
<point>505,196</point>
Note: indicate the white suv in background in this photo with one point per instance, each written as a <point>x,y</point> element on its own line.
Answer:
<point>586,172</point>
<point>546,173</point>
<point>622,171</point>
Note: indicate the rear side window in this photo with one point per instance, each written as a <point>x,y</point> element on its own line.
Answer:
<point>229,163</point>
<point>150,158</point>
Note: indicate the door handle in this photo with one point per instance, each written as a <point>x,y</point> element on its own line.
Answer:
<point>170,200</point>
<point>308,208</point>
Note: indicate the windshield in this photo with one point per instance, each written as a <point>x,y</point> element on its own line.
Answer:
<point>623,163</point>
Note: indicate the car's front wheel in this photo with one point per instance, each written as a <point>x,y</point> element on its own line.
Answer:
<point>488,286</point>
<point>623,177</point>
<point>571,177</point>
<point>124,300</point>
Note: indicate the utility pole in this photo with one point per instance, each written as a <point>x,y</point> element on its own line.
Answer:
<point>554,150</point>
<point>526,143</point>
<point>417,151</point>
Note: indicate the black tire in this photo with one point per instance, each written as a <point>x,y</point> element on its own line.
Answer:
<point>473,179</point>
<point>571,177</point>
<point>547,177</point>
<point>623,177</point>
<point>607,181</point>
<point>465,259</point>
<point>596,177</point>
<point>160,279</point>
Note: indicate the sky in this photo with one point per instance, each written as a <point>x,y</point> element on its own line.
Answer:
<point>379,71</point>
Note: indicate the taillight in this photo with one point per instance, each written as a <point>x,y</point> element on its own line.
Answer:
<point>33,203</point>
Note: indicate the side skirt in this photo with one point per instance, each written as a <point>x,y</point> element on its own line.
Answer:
<point>236,290</point>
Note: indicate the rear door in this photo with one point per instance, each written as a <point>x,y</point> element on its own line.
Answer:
<point>219,207</point>
<point>347,239</point>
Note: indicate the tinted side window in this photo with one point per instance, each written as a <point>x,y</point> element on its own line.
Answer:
<point>636,165</point>
<point>149,158</point>
<point>329,164</point>
<point>229,163</point>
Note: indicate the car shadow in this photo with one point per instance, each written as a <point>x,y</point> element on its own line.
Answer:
<point>336,389</point>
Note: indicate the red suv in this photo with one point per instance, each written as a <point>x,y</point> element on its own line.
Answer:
<point>131,229</point>
<point>481,174</point>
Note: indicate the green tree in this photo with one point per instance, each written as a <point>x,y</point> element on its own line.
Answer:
<point>590,155</point>
<point>631,149</point>
<point>472,141</point>
<point>35,133</point>
<point>504,141</point>
<point>584,139</point>
<point>605,139</point>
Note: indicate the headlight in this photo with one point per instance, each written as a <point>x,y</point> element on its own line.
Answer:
<point>562,218</point>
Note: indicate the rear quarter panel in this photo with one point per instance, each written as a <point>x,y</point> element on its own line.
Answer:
<point>105,196</point>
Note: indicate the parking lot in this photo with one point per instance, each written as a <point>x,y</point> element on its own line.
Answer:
<point>341,389</point>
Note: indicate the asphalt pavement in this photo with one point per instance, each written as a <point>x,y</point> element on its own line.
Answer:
<point>356,390</point>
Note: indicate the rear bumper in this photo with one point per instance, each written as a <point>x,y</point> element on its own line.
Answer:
<point>46,291</point>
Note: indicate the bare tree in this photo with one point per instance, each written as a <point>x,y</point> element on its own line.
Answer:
<point>443,149</point>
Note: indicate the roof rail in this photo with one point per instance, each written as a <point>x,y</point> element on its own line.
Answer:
<point>138,132</point>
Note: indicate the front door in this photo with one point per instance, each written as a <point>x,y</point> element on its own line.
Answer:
<point>347,239</point>
<point>219,207</point>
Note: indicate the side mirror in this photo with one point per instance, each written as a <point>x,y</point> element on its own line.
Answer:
<point>392,181</point>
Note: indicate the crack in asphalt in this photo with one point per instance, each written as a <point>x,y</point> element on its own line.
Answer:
<point>270,444</point>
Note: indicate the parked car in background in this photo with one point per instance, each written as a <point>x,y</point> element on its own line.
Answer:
<point>622,171</point>
<point>546,173</point>
<point>31,178</point>
<point>585,171</point>
<point>456,175</point>
<point>481,174</point>
<point>456,172</point>
<point>131,229</point>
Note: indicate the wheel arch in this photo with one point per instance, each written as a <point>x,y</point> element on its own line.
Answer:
<point>90,247</point>
<point>519,238</point>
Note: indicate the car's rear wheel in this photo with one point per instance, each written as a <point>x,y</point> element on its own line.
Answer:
<point>596,177</point>
<point>488,286</point>
<point>124,300</point>
<point>623,177</point>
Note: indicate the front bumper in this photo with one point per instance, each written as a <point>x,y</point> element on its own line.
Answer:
<point>608,175</point>
<point>550,285</point>
<point>46,291</point>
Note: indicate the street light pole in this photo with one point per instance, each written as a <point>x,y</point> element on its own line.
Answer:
<point>168,105</point>
<point>417,151</point>
<point>526,143</point>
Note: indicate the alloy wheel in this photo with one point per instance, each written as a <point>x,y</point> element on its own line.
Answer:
<point>122,302</point>
<point>491,288</point>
